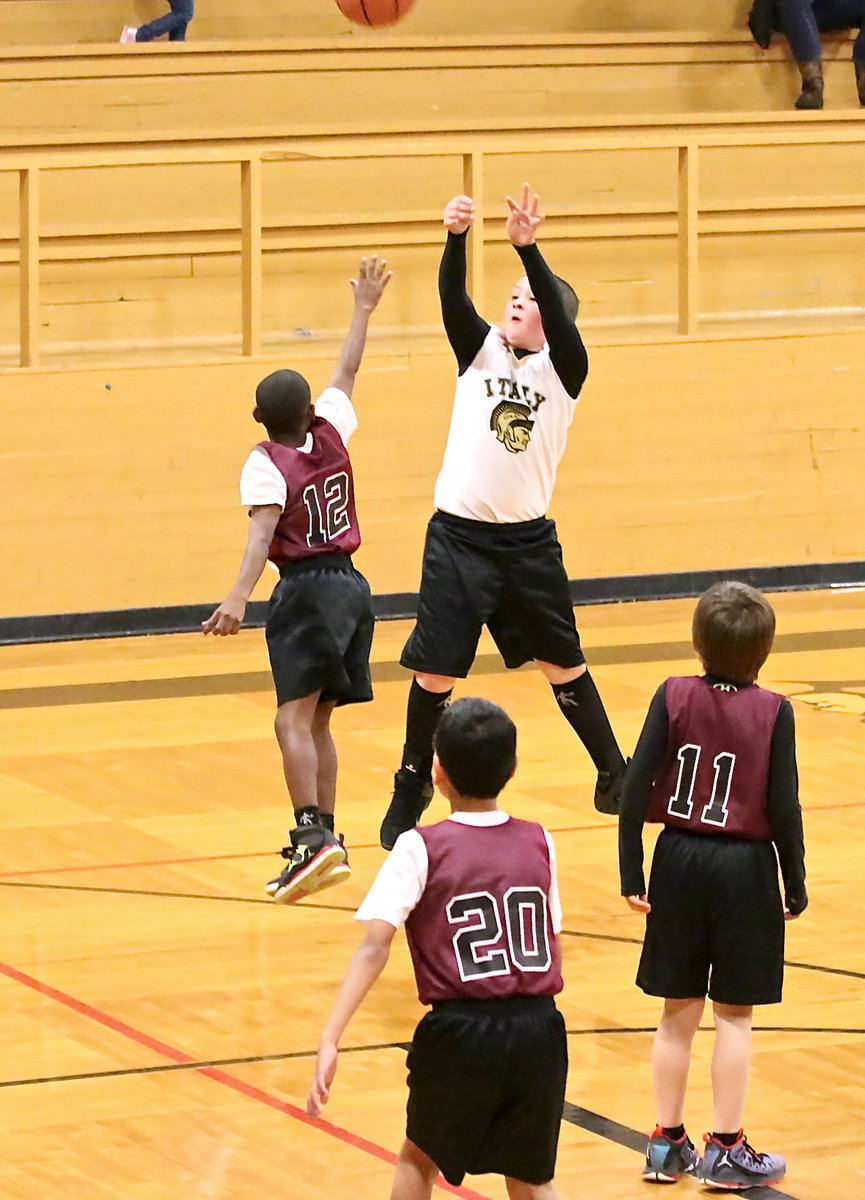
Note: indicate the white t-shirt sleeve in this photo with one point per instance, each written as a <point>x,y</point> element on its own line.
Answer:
<point>555,901</point>
<point>398,886</point>
<point>261,481</point>
<point>336,407</point>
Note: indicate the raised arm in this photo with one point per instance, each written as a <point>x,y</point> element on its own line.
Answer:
<point>567,352</point>
<point>648,757</point>
<point>372,279</point>
<point>785,814</point>
<point>465,329</point>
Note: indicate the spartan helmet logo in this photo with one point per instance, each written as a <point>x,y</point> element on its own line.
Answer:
<point>513,425</point>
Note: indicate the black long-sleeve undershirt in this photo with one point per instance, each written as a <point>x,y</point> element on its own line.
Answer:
<point>567,352</point>
<point>466,329</point>
<point>784,813</point>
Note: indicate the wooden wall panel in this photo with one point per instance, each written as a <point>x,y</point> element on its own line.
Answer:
<point>753,176</point>
<point>683,456</point>
<point>779,273</point>
<point>137,309</point>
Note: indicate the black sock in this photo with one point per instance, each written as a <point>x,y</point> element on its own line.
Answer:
<point>727,1139</point>
<point>422,716</point>
<point>326,820</point>
<point>583,710</point>
<point>308,815</point>
<point>674,1132</point>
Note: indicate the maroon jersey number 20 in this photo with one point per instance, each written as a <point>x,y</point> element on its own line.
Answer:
<point>480,921</point>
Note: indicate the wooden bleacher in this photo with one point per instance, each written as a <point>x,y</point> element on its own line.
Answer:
<point>112,95</point>
<point>58,22</point>
<point>708,227</point>
<point>127,245</point>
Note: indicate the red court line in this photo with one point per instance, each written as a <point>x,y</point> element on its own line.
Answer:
<point>217,1074</point>
<point>206,858</point>
<point>812,808</point>
<point>155,862</point>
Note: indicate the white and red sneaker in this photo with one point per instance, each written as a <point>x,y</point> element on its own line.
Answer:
<point>316,860</point>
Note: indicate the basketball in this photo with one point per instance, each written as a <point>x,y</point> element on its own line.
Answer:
<point>374,12</point>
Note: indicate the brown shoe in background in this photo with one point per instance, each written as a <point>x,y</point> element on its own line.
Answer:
<point>812,85</point>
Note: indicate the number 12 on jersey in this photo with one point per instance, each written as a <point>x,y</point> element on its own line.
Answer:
<point>327,511</point>
<point>681,804</point>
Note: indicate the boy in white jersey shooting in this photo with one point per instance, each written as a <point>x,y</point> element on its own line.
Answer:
<point>478,896</point>
<point>492,556</point>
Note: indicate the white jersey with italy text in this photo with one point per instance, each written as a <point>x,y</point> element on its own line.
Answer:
<point>508,432</point>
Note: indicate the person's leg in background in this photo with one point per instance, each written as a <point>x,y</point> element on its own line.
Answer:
<point>851,14</point>
<point>185,10</point>
<point>799,24</point>
<point>173,23</point>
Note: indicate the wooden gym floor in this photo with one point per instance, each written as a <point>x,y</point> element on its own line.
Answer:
<point>159,1014</point>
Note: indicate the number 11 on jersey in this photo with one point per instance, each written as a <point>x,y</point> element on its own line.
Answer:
<point>681,804</point>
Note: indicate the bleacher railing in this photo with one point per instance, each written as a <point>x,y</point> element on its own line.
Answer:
<point>687,145</point>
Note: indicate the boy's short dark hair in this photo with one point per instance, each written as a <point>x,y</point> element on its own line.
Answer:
<point>569,298</point>
<point>282,402</point>
<point>476,744</point>
<point>733,631</point>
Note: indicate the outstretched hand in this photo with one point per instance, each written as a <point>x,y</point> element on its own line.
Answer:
<point>325,1069</point>
<point>372,278</point>
<point>226,620</point>
<point>523,218</point>
<point>459,214</point>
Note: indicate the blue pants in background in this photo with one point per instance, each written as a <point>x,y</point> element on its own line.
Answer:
<point>804,20</point>
<point>173,23</point>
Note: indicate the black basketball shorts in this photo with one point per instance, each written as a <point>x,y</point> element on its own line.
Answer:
<point>487,1087</point>
<point>717,922</point>
<point>319,631</point>
<point>510,578</point>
